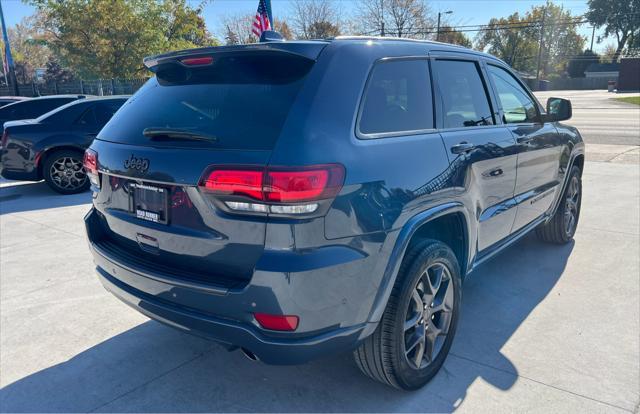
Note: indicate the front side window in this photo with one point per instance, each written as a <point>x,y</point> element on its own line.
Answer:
<point>517,106</point>
<point>463,96</point>
<point>397,98</point>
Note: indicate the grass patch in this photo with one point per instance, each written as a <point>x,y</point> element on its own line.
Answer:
<point>630,99</point>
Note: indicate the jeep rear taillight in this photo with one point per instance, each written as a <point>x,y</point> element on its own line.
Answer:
<point>275,190</point>
<point>5,138</point>
<point>235,182</point>
<point>90,163</point>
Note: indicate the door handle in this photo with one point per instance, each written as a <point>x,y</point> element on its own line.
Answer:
<point>92,134</point>
<point>462,147</point>
<point>523,140</point>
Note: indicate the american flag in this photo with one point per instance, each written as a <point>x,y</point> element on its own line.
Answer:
<point>261,21</point>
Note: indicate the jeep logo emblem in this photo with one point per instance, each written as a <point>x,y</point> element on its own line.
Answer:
<point>134,163</point>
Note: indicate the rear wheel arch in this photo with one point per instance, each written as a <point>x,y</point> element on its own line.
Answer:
<point>578,161</point>
<point>42,156</point>
<point>450,229</point>
<point>423,226</point>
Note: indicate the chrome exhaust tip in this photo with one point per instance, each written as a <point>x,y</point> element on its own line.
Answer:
<point>250,355</point>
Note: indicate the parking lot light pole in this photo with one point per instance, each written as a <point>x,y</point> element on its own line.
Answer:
<point>438,29</point>
<point>11,76</point>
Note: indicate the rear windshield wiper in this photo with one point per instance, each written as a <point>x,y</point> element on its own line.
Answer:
<point>177,133</point>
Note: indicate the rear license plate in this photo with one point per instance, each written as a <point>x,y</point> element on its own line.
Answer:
<point>150,203</point>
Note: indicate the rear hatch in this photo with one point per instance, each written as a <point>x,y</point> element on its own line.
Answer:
<point>219,108</point>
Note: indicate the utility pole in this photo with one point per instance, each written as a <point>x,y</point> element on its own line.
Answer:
<point>7,56</point>
<point>438,28</point>
<point>382,18</point>
<point>544,16</point>
<point>593,34</point>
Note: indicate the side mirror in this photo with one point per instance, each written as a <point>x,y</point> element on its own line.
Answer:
<point>558,109</point>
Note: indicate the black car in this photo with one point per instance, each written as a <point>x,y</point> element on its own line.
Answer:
<point>298,199</point>
<point>6,100</point>
<point>51,146</point>
<point>33,108</point>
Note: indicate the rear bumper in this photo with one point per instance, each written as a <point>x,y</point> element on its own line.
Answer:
<point>22,174</point>
<point>279,351</point>
<point>19,175</point>
<point>223,315</point>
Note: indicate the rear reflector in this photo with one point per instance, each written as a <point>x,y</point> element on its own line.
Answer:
<point>198,61</point>
<point>277,322</point>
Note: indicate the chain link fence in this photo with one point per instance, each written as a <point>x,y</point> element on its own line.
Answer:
<point>99,87</point>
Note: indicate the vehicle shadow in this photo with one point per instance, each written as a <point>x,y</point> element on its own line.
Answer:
<point>20,196</point>
<point>126,373</point>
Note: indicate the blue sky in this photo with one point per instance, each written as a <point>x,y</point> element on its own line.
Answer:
<point>465,12</point>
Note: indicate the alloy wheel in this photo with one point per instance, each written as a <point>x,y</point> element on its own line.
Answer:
<point>572,201</point>
<point>428,316</point>
<point>67,173</point>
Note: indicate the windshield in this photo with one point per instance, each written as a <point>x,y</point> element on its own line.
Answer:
<point>241,101</point>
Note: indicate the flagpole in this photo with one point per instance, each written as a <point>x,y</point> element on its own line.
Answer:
<point>7,52</point>
<point>269,13</point>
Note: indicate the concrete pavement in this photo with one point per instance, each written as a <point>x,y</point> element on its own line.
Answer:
<point>544,328</point>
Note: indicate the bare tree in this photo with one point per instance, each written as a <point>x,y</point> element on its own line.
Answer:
<point>281,26</point>
<point>315,19</point>
<point>236,29</point>
<point>399,18</point>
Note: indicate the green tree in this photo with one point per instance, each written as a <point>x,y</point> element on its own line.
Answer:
<point>578,64</point>
<point>620,18</point>
<point>516,39</point>
<point>560,41</point>
<point>512,39</point>
<point>451,35</point>
<point>56,73</point>
<point>28,49</point>
<point>109,38</point>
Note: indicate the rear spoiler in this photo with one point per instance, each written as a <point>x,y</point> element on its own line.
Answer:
<point>307,49</point>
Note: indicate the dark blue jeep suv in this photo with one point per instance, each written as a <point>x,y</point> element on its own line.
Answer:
<point>296,199</point>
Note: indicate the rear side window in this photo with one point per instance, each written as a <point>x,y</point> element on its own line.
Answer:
<point>517,106</point>
<point>242,100</point>
<point>105,110</point>
<point>397,98</point>
<point>463,96</point>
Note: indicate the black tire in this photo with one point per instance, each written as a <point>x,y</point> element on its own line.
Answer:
<point>63,172</point>
<point>383,355</point>
<point>561,228</point>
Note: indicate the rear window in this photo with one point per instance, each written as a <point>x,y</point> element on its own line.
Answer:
<point>243,101</point>
<point>33,108</point>
<point>397,98</point>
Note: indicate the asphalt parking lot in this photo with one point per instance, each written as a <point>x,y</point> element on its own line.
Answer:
<point>543,328</point>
